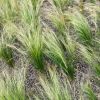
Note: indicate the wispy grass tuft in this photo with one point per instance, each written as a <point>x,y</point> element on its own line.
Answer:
<point>55,51</point>
<point>91,58</point>
<point>54,88</point>
<point>6,53</point>
<point>93,1</point>
<point>82,28</point>
<point>53,48</point>
<point>33,46</point>
<point>60,4</point>
<point>57,16</point>
<point>89,92</point>
<point>61,35</point>
<point>8,9</point>
<point>12,86</point>
<point>31,35</point>
<point>69,47</point>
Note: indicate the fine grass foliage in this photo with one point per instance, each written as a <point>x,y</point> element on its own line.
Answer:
<point>53,48</point>
<point>69,47</point>
<point>91,58</point>
<point>82,28</point>
<point>90,95</point>
<point>93,1</point>
<point>8,9</point>
<point>56,53</point>
<point>12,86</point>
<point>59,20</point>
<point>59,4</point>
<point>31,35</point>
<point>53,88</point>
<point>33,47</point>
<point>6,53</point>
<point>57,16</point>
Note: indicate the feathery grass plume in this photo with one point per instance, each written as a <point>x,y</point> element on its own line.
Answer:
<point>54,88</point>
<point>83,50</point>
<point>8,9</point>
<point>31,35</point>
<point>6,38</point>
<point>53,48</point>
<point>59,4</point>
<point>30,12</point>
<point>96,63</point>
<point>33,46</point>
<point>9,31</point>
<point>91,58</point>
<point>57,16</point>
<point>6,54</point>
<point>97,69</point>
<point>93,1</point>
<point>58,20</point>
<point>55,52</point>
<point>82,28</point>
<point>96,57</point>
<point>70,50</point>
<point>89,92</point>
<point>12,86</point>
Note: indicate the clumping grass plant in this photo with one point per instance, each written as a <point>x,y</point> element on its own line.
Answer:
<point>12,86</point>
<point>53,49</point>
<point>8,9</point>
<point>60,4</point>
<point>69,50</point>
<point>6,53</point>
<point>82,28</point>
<point>67,46</point>
<point>57,16</point>
<point>88,92</point>
<point>53,87</point>
<point>33,46</point>
<point>65,42</point>
<point>93,1</point>
<point>31,35</point>
<point>91,58</point>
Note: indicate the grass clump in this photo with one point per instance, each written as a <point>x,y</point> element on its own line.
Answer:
<point>31,35</point>
<point>8,9</point>
<point>12,87</point>
<point>82,28</point>
<point>6,52</point>
<point>69,47</point>
<point>54,88</point>
<point>65,43</point>
<point>91,58</point>
<point>87,90</point>
<point>55,51</point>
<point>33,47</point>
<point>60,4</point>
